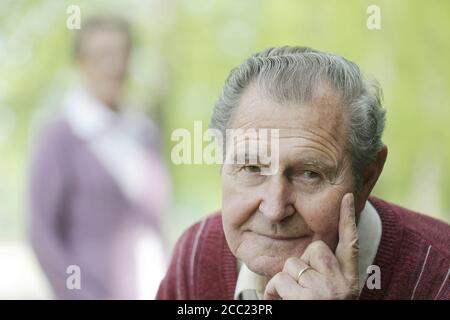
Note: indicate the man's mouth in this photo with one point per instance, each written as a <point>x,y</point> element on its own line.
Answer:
<point>278,236</point>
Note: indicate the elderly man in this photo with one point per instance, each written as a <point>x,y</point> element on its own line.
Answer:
<point>309,230</point>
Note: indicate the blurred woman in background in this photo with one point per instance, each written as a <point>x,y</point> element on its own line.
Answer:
<point>98,184</point>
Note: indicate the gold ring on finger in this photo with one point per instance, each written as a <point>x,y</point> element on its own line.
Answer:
<point>302,272</point>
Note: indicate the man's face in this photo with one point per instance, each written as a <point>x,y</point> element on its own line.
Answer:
<point>269,218</point>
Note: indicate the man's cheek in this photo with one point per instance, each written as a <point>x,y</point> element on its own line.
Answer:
<point>239,208</point>
<point>323,221</point>
<point>325,228</point>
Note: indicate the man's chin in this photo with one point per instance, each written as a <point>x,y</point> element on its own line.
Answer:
<point>268,259</point>
<point>266,266</point>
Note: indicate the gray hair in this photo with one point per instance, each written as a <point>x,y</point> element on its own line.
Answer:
<point>290,74</point>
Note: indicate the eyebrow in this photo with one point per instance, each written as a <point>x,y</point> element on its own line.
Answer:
<point>246,157</point>
<point>306,161</point>
<point>312,161</point>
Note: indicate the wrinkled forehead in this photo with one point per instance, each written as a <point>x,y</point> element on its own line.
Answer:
<point>325,114</point>
<point>310,131</point>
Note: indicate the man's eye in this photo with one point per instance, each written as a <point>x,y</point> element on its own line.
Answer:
<point>308,174</point>
<point>252,169</point>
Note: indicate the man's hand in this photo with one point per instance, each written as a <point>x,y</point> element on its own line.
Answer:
<point>329,276</point>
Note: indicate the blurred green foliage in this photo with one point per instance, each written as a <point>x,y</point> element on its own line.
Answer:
<point>183,53</point>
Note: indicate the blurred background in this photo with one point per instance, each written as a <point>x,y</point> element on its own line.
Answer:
<point>182,52</point>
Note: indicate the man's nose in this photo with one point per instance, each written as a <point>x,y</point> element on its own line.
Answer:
<point>278,201</point>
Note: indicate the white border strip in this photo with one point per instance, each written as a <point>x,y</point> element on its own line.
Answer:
<point>442,286</point>
<point>421,271</point>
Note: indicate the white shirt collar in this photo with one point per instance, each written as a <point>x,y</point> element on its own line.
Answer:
<point>117,139</point>
<point>88,117</point>
<point>251,286</point>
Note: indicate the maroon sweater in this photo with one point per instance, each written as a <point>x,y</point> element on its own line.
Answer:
<point>413,255</point>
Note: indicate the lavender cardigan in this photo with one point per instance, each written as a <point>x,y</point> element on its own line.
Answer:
<point>80,217</point>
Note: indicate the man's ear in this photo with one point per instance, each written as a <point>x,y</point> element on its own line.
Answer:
<point>370,177</point>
